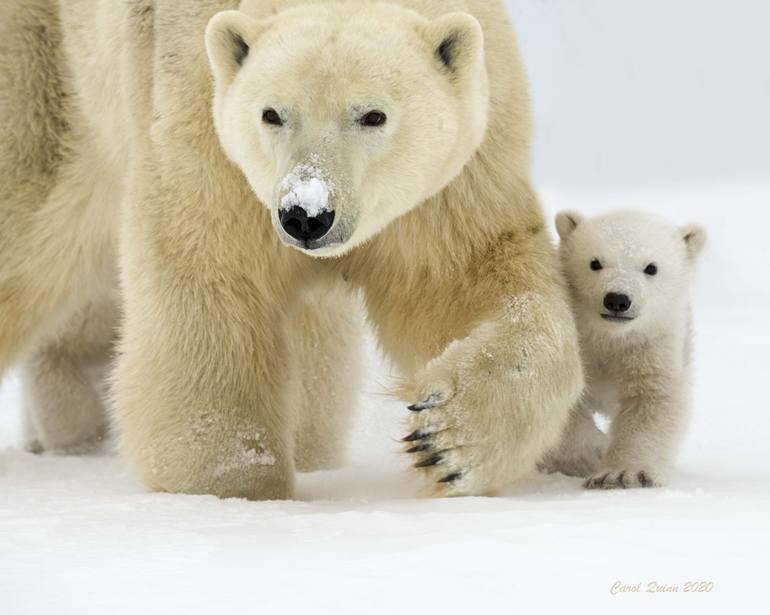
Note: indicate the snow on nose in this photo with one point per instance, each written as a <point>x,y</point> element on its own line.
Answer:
<point>305,188</point>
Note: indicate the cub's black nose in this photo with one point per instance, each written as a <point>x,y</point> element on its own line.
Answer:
<point>616,302</point>
<point>301,227</point>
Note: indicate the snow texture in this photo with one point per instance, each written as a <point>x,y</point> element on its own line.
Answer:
<point>306,189</point>
<point>79,534</point>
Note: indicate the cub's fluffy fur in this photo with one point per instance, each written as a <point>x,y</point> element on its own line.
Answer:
<point>630,276</point>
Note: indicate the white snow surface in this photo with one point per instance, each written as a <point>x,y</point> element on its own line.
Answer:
<point>81,535</point>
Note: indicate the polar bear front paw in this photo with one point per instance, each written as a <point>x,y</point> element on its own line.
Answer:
<point>454,457</point>
<point>630,478</point>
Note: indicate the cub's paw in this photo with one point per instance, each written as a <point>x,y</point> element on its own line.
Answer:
<point>624,479</point>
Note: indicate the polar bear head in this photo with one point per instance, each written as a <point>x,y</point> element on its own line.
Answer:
<point>627,271</point>
<point>345,116</point>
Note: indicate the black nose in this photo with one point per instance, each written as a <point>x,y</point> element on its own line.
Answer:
<point>298,225</point>
<point>616,302</point>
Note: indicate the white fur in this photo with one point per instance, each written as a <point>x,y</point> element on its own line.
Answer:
<point>638,370</point>
<point>134,148</point>
<point>428,137</point>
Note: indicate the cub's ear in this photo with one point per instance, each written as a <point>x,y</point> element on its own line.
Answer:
<point>567,222</point>
<point>457,42</point>
<point>229,37</point>
<point>695,237</point>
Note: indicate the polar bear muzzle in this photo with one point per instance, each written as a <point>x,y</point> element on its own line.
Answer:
<point>303,227</point>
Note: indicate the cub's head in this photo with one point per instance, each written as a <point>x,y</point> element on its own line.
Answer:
<point>344,117</point>
<point>627,270</point>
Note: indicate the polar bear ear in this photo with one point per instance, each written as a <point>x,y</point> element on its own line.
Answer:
<point>567,222</point>
<point>229,37</point>
<point>457,41</point>
<point>695,237</point>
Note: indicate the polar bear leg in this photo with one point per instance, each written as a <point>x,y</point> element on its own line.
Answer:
<point>202,380</point>
<point>51,260</point>
<point>326,371</point>
<point>31,127</point>
<point>495,401</point>
<point>644,434</point>
<point>62,382</point>
<point>52,180</point>
<point>200,387</point>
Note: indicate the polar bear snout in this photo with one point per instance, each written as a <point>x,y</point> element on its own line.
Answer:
<point>310,210</point>
<point>618,303</point>
<point>303,227</point>
<point>618,308</point>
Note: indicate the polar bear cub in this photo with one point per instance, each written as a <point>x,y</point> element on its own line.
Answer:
<point>630,275</point>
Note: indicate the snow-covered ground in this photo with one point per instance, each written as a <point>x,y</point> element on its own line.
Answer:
<point>79,535</point>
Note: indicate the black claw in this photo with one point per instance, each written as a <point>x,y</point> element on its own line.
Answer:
<point>430,461</point>
<point>600,481</point>
<point>643,480</point>
<point>431,402</point>
<point>622,479</point>
<point>418,407</point>
<point>452,478</point>
<point>420,448</point>
<point>415,436</point>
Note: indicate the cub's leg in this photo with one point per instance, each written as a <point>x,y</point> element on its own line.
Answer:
<point>582,446</point>
<point>62,382</point>
<point>644,434</point>
<point>325,371</point>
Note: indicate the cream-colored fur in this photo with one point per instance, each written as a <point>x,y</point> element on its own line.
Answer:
<point>57,204</point>
<point>227,379</point>
<point>324,331</point>
<point>63,381</point>
<point>638,368</point>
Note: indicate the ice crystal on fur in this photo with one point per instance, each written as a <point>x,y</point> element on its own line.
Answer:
<point>249,452</point>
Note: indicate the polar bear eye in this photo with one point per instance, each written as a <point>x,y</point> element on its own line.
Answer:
<point>373,119</point>
<point>270,116</point>
<point>651,269</point>
<point>596,265</point>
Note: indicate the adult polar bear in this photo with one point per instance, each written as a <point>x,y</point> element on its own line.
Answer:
<point>234,365</point>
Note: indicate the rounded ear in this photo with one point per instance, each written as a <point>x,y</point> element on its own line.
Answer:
<point>695,238</point>
<point>567,222</point>
<point>229,37</point>
<point>457,41</point>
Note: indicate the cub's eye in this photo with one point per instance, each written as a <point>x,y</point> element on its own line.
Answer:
<point>651,269</point>
<point>270,116</point>
<point>596,265</point>
<point>373,119</point>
